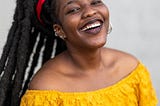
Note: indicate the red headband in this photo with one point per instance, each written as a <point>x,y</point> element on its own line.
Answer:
<point>39,9</point>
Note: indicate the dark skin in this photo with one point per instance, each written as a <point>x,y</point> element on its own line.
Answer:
<point>86,65</point>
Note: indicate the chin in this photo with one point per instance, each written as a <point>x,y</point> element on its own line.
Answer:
<point>101,45</point>
<point>97,45</point>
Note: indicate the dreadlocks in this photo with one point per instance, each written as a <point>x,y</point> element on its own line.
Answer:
<point>27,40</point>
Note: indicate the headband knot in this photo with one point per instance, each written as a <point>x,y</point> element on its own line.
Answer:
<point>39,9</point>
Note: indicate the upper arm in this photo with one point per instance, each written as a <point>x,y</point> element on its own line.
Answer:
<point>147,95</point>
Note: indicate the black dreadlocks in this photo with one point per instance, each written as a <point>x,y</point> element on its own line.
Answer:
<point>27,40</point>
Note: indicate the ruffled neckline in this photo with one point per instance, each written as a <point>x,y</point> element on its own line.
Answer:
<point>108,88</point>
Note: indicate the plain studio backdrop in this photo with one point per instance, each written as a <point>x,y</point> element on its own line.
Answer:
<point>136,30</point>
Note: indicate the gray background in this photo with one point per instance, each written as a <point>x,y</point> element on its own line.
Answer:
<point>136,29</point>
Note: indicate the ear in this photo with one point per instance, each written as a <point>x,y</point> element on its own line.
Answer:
<point>58,30</point>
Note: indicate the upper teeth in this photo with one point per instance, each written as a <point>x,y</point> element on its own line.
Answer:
<point>91,26</point>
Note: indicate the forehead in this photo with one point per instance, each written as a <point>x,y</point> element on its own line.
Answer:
<point>67,1</point>
<point>64,3</point>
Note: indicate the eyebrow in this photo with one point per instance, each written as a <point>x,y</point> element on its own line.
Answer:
<point>69,2</point>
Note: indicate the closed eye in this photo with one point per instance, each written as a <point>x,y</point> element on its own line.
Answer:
<point>97,2</point>
<point>73,10</point>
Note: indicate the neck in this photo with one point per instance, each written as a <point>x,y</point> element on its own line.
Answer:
<point>86,59</point>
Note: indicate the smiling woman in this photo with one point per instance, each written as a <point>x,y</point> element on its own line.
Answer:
<point>81,72</point>
<point>88,23</point>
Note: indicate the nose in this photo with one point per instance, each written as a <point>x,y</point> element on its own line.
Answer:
<point>88,12</point>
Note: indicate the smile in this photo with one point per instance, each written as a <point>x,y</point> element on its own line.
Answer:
<point>92,27</point>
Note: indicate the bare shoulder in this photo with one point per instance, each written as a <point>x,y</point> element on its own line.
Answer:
<point>42,78</point>
<point>47,77</point>
<point>125,62</point>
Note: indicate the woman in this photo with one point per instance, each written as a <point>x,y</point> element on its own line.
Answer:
<point>85,73</point>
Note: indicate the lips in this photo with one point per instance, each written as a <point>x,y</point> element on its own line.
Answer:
<point>92,26</point>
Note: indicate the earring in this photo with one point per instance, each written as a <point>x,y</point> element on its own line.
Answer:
<point>109,28</point>
<point>55,34</point>
<point>62,37</point>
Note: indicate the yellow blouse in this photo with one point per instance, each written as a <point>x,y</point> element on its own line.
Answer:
<point>134,90</point>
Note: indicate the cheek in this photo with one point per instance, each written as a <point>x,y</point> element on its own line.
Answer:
<point>70,24</point>
<point>105,12</point>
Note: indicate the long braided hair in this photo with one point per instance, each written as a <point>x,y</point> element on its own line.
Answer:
<point>29,42</point>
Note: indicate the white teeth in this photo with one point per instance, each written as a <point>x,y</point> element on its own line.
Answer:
<point>91,26</point>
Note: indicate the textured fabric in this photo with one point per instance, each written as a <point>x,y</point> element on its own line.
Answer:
<point>134,90</point>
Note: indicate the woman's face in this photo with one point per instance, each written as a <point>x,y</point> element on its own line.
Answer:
<point>84,22</point>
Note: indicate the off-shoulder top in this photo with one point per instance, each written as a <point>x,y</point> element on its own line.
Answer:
<point>134,90</point>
